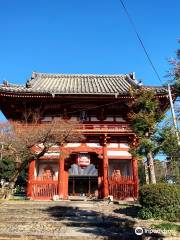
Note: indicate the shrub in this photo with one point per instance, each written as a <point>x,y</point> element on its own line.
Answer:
<point>145,213</point>
<point>160,201</point>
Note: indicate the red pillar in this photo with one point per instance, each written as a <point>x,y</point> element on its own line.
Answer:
<point>105,172</point>
<point>61,176</point>
<point>30,177</point>
<point>66,174</point>
<point>135,175</point>
<point>100,177</point>
<point>100,193</point>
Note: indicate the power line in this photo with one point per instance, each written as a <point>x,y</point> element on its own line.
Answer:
<point>140,40</point>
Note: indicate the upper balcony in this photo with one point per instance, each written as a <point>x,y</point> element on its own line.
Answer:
<point>105,128</point>
<point>87,128</point>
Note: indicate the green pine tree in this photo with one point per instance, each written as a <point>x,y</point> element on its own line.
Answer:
<point>144,115</point>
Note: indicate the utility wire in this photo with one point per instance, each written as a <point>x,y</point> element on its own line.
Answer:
<point>140,40</point>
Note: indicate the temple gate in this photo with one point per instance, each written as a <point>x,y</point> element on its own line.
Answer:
<point>99,166</point>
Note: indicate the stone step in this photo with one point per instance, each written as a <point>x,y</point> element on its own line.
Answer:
<point>120,237</point>
<point>70,222</point>
<point>76,205</point>
<point>62,220</point>
<point>95,232</point>
<point>50,237</point>
<point>47,202</point>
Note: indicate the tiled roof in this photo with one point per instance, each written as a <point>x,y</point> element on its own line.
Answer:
<point>44,83</point>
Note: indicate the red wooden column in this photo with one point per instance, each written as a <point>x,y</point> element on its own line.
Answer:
<point>135,175</point>
<point>30,177</point>
<point>105,170</point>
<point>100,179</point>
<point>61,175</point>
<point>66,174</point>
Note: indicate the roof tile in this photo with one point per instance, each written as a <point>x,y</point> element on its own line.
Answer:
<point>76,84</point>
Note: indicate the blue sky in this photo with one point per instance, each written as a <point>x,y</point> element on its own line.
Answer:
<point>92,36</point>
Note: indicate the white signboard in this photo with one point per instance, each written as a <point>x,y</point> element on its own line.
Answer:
<point>83,159</point>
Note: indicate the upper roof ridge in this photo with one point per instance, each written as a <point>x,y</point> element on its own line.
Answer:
<point>35,74</point>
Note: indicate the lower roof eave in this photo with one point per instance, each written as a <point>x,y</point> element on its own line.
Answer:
<point>60,95</point>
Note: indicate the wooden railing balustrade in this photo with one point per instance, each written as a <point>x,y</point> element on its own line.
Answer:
<point>122,187</point>
<point>44,178</point>
<point>124,127</point>
<point>44,189</point>
<point>92,127</point>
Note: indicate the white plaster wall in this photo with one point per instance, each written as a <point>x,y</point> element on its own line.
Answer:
<point>58,118</point>
<point>113,145</point>
<point>119,119</point>
<point>109,119</point>
<point>46,119</point>
<point>124,145</point>
<point>48,154</point>
<point>118,145</point>
<point>74,119</point>
<point>73,145</point>
<point>94,119</point>
<point>93,144</point>
<point>118,153</point>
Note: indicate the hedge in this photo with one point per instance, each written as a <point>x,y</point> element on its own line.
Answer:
<point>160,201</point>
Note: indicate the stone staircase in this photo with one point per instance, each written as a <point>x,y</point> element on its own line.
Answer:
<point>63,220</point>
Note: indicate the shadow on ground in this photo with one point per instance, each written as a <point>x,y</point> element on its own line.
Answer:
<point>131,211</point>
<point>96,223</point>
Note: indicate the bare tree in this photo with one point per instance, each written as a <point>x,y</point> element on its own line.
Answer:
<point>24,142</point>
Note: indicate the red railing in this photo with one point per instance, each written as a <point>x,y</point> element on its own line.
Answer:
<point>91,127</point>
<point>44,189</point>
<point>105,127</point>
<point>122,188</point>
<point>44,178</point>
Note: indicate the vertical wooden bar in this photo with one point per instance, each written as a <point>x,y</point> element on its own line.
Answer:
<point>89,187</point>
<point>105,172</point>
<point>100,178</point>
<point>135,176</point>
<point>66,184</point>
<point>61,176</point>
<point>73,186</point>
<point>30,178</point>
<point>99,187</point>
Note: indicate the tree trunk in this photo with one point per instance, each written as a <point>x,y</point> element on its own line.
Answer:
<point>146,172</point>
<point>8,190</point>
<point>150,163</point>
